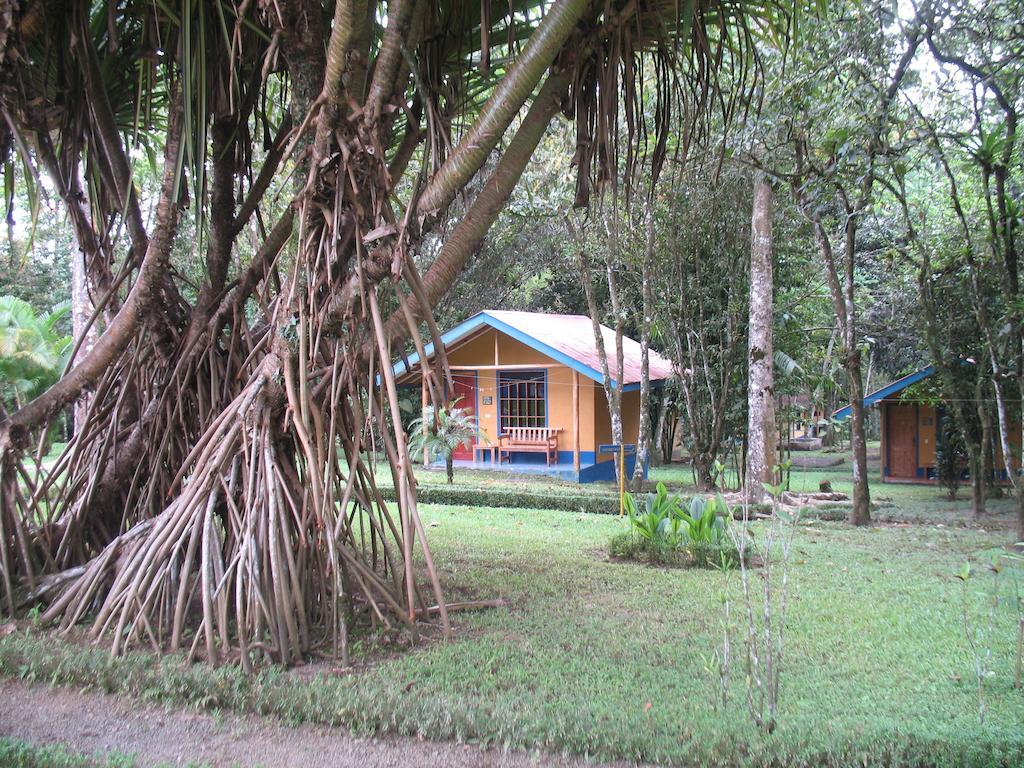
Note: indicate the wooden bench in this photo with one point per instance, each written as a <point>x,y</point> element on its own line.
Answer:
<point>529,440</point>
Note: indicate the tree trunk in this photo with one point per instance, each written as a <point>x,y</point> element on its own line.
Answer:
<point>658,437</point>
<point>841,291</point>
<point>982,462</point>
<point>269,418</point>
<point>612,386</point>
<point>761,431</point>
<point>703,462</point>
<point>860,514</point>
<point>643,442</point>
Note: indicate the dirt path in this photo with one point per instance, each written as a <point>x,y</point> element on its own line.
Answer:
<point>96,723</point>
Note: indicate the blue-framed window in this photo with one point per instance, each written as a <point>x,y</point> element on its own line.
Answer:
<point>522,399</point>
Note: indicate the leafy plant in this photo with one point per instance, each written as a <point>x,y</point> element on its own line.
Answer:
<point>653,521</point>
<point>951,458</point>
<point>439,432</point>
<point>784,470</point>
<point>33,350</point>
<point>663,527</point>
<point>719,478</point>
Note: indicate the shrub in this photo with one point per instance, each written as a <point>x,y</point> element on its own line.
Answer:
<point>663,531</point>
<point>951,458</point>
<point>514,498</point>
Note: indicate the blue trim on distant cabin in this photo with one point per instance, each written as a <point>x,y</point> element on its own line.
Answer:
<point>880,394</point>
<point>483,319</point>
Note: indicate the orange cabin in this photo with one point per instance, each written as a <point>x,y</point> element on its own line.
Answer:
<point>911,432</point>
<point>529,377</point>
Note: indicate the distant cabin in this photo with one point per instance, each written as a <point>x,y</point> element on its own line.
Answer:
<point>528,377</point>
<point>912,432</point>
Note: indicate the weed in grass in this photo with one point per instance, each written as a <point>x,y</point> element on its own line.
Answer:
<point>764,639</point>
<point>980,639</point>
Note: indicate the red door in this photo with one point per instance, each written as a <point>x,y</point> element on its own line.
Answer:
<point>901,438</point>
<point>465,394</point>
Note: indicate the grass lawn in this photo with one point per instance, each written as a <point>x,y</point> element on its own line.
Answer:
<point>892,502</point>
<point>15,753</point>
<point>613,660</point>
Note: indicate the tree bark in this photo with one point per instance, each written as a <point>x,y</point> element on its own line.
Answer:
<point>643,441</point>
<point>14,431</point>
<point>761,431</point>
<point>842,293</point>
<point>612,385</point>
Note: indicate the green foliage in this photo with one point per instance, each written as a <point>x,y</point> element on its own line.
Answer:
<point>441,431</point>
<point>33,350</point>
<point>950,457</point>
<point>875,647</point>
<point>15,753</point>
<point>664,531</point>
<point>513,497</point>
<point>709,543</point>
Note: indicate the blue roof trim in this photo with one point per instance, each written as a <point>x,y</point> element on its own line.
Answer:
<point>460,330</point>
<point>482,319</point>
<point>880,394</point>
<point>543,348</point>
<point>635,386</point>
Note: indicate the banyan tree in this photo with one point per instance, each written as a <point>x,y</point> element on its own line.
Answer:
<point>269,196</point>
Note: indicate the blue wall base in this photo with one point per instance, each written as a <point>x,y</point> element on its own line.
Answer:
<point>535,464</point>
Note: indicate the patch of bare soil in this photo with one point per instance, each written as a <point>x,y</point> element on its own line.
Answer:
<point>94,723</point>
<point>791,500</point>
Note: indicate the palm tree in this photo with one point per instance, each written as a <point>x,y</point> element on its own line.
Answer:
<point>440,432</point>
<point>310,148</point>
<point>33,351</point>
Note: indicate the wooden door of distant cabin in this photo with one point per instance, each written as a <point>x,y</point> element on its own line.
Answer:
<point>465,393</point>
<point>901,440</point>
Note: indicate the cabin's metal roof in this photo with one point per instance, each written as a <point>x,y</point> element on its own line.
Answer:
<point>880,394</point>
<point>567,339</point>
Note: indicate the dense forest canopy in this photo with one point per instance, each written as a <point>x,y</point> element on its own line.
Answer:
<point>252,207</point>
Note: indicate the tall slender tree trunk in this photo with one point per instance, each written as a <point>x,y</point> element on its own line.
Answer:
<point>761,431</point>
<point>841,289</point>
<point>861,512</point>
<point>612,385</point>
<point>643,442</point>
<point>659,436</point>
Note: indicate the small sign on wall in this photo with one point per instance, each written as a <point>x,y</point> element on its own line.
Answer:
<point>488,400</point>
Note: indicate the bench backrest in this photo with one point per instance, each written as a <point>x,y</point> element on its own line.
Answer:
<point>531,434</point>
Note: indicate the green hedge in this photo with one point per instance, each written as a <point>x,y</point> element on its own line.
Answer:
<point>595,504</point>
<point>460,496</point>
